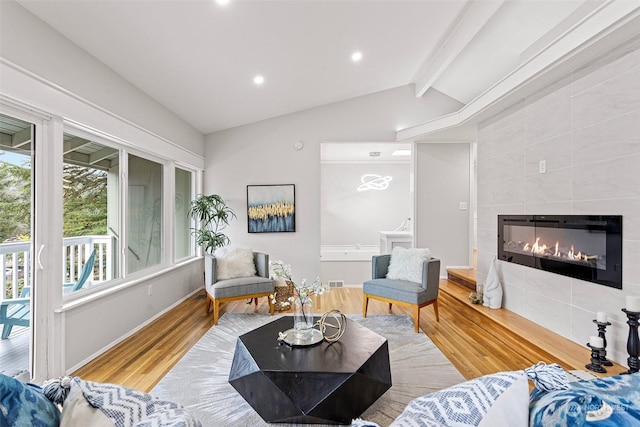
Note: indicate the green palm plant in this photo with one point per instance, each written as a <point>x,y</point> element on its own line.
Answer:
<point>214,215</point>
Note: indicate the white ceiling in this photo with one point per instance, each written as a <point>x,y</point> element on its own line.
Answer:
<point>199,58</point>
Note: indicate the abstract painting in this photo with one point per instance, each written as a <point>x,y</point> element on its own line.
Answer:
<point>271,208</point>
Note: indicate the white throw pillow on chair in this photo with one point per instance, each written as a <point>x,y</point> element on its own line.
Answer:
<point>232,263</point>
<point>406,264</point>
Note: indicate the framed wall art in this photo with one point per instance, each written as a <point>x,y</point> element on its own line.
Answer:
<point>271,208</point>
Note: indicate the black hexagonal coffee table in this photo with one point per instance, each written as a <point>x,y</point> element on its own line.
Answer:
<point>323,384</point>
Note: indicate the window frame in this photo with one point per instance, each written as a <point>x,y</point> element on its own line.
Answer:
<point>167,228</point>
<point>192,223</point>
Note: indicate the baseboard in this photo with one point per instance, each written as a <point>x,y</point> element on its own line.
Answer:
<point>130,333</point>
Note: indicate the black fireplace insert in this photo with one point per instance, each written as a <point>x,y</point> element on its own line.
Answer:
<point>587,247</point>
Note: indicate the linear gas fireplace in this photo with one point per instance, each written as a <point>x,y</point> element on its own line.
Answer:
<point>587,247</point>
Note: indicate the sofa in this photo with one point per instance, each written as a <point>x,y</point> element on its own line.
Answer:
<point>503,399</point>
<point>71,401</point>
<point>495,400</point>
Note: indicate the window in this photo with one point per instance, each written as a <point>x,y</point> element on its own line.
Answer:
<point>90,213</point>
<point>110,233</point>
<point>144,214</point>
<point>184,245</point>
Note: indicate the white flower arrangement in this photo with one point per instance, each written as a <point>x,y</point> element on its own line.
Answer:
<point>303,290</point>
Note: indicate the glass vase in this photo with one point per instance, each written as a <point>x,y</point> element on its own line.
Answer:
<point>303,317</point>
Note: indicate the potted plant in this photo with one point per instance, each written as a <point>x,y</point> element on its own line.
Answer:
<point>213,215</point>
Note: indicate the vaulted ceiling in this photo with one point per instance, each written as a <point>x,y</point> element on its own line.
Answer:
<point>199,58</point>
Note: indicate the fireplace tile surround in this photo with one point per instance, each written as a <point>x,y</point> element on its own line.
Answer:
<point>586,127</point>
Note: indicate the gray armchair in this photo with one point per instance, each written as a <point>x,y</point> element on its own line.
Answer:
<point>403,292</point>
<point>219,291</point>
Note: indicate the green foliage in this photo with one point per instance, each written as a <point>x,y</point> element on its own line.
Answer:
<point>15,200</point>
<point>214,215</point>
<point>85,201</point>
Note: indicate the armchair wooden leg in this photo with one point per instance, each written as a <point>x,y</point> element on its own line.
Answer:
<point>216,311</point>
<point>416,318</point>
<point>435,308</point>
<point>365,304</point>
<point>390,306</point>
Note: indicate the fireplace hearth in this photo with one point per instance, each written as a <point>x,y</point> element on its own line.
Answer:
<point>587,247</point>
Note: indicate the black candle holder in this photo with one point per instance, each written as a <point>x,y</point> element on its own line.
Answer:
<point>596,364</point>
<point>633,343</point>
<point>602,326</point>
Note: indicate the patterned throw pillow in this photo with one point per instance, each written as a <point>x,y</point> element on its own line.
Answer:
<point>607,402</point>
<point>78,412</point>
<point>496,400</point>
<point>126,407</point>
<point>24,405</point>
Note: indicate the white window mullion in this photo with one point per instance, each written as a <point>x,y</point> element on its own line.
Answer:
<point>169,209</point>
<point>124,193</point>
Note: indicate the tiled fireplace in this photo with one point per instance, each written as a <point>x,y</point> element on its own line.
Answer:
<point>587,247</point>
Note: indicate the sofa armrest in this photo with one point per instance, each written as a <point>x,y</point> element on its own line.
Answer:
<point>261,260</point>
<point>431,277</point>
<point>380,266</point>
<point>209,270</point>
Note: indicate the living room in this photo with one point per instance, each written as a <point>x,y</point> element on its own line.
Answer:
<point>583,176</point>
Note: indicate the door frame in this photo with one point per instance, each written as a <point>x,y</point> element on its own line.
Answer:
<point>46,354</point>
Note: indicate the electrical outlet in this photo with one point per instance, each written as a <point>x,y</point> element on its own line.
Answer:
<point>542,167</point>
<point>462,206</point>
<point>149,290</point>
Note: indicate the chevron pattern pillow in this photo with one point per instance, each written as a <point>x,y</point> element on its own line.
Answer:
<point>495,400</point>
<point>124,407</point>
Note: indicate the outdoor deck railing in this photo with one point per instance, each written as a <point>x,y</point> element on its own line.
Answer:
<point>16,260</point>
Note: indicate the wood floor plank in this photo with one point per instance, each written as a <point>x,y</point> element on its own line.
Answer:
<point>475,344</point>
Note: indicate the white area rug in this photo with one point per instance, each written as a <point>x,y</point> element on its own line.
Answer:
<point>200,379</point>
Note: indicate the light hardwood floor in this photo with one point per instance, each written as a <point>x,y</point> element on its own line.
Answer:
<point>475,346</point>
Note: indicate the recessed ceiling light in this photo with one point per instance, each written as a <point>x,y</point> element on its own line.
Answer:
<point>356,56</point>
<point>258,80</point>
<point>401,153</point>
<point>222,2</point>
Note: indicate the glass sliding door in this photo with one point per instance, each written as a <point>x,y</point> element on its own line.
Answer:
<point>16,246</point>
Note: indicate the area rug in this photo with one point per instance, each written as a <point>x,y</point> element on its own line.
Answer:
<point>200,379</point>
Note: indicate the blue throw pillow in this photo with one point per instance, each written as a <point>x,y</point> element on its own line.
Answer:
<point>24,404</point>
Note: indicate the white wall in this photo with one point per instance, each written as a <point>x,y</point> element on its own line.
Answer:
<point>263,153</point>
<point>587,128</point>
<point>31,44</point>
<point>442,182</point>
<point>45,74</point>
<point>92,328</point>
<point>349,216</point>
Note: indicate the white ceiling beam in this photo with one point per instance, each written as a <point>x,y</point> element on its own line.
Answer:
<point>5,139</point>
<point>21,138</point>
<point>466,26</point>
<point>73,144</point>
<point>610,25</point>
<point>101,155</point>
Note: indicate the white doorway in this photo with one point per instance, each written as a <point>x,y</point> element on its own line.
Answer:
<point>364,189</point>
